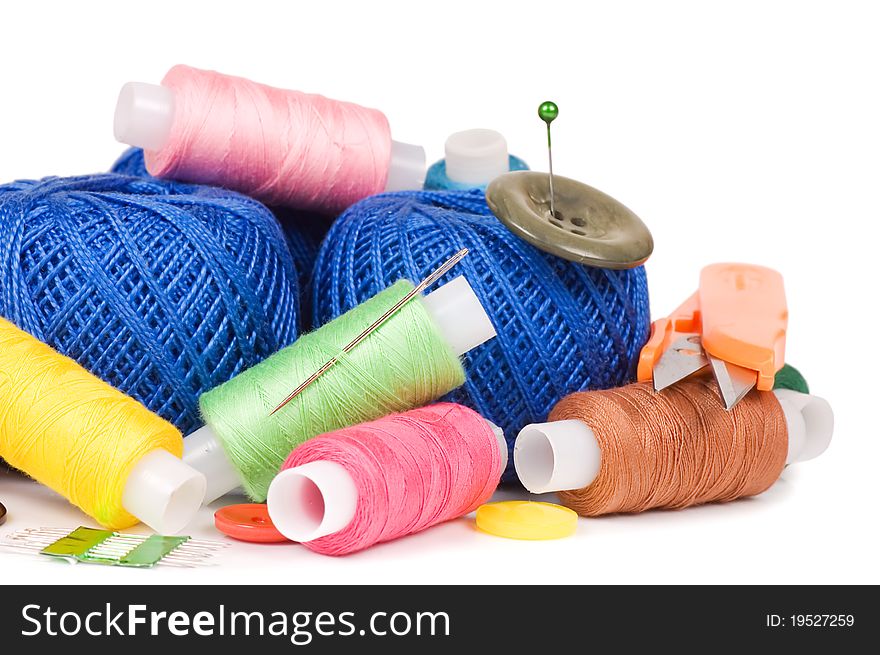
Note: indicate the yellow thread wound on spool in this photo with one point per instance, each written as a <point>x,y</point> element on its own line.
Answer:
<point>71,431</point>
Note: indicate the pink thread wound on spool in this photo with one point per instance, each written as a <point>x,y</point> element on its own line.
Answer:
<point>412,470</point>
<point>283,147</point>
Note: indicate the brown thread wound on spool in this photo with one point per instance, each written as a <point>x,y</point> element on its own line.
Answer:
<point>676,448</point>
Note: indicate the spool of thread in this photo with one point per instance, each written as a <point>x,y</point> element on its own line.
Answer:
<point>285,148</point>
<point>473,159</point>
<point>410,360</point>
<point>561,326</point>
<point>366,484</point>
<point>304,232</point>
<point>164,290</point>
<point>631,449</point>
<point>103,451</point>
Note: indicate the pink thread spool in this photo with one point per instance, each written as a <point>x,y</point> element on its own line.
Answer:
<point>285,148</point>
<point>347,490</point>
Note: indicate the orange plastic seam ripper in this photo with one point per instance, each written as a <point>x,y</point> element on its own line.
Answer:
<point>735,323</point>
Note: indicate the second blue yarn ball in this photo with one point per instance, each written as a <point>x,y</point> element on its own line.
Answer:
<point>562,327</point>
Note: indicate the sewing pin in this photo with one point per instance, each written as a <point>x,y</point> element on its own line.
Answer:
<point>424,284</point>
<point>548,111</point>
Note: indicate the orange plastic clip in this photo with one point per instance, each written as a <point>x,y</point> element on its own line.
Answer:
<point>744,318</point>
<point>685,319</point>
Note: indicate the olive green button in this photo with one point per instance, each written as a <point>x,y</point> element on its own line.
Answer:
<point>590,227</point>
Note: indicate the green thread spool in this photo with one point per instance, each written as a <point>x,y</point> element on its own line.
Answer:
<point>409,361</point>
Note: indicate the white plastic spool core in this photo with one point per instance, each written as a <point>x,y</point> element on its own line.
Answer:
<point>145,113</point>
<point>459,315</point>
<point>163,492</point>
<point>810,422</point>
<point>317,499</point>
<point>406,170</point>
<point>564,455</point>
<point>476,156</point>
<point>556,456</point>
<point>502,442</point>
<point>311,501</point>
<point>461,320</point>
<point>202,451</point>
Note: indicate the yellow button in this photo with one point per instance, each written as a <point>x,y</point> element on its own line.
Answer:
<point>521,519</point>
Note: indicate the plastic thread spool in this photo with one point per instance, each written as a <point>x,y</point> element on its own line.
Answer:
<point>81,437</point>
<point>457,315</point>
<point>320,498</point>
<point>473,159</point>
<point>589,227</point>
<point>150,115</point>
<point>163,492</point>
<point>565,455</point>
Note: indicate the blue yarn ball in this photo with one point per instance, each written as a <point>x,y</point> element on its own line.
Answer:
<point>437,180</point>
<point>131,162</point>
<point>164,290</point>
<point>562,327</point>
<point>304,232</point>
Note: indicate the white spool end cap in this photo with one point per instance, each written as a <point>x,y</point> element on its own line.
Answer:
<point>144,114</point>
<point>476,156</point>
<point>406,171</point>
<point>556,456</point>
<point>311,501</point>
<point>459,315</point>
<point>203,452</point>
<point>810,422</point>
<point>502,442</point>
<point>163,492</point>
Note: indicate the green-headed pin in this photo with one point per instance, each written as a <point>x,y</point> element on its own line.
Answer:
<point>548,111</point>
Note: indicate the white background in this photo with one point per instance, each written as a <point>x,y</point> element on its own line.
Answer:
<point>743,131</point>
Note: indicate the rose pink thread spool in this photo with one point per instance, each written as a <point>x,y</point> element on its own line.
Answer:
<point>350,489</point>
<point>286,148</point>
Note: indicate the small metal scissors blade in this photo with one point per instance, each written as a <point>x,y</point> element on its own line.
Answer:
<point>684,357</point>
<point>734,381</point>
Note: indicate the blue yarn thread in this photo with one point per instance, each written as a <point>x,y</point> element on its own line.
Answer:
<point>304,232</point>
<point>131,162</point>
<point>437,180</point>
<point>561,326</point>
<point>164,290</point>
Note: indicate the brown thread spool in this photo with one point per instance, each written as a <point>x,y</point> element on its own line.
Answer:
<point>631,449</point>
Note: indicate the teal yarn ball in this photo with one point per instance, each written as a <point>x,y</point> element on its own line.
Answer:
<point>164,290</point>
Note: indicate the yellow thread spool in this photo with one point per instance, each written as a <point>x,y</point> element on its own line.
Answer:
<point>76,434</point>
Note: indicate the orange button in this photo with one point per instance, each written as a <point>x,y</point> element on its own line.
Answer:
<point>248,522</point>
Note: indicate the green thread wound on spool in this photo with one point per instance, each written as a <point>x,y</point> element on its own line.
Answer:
<point>405,363</point>
<point>788,377</point>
